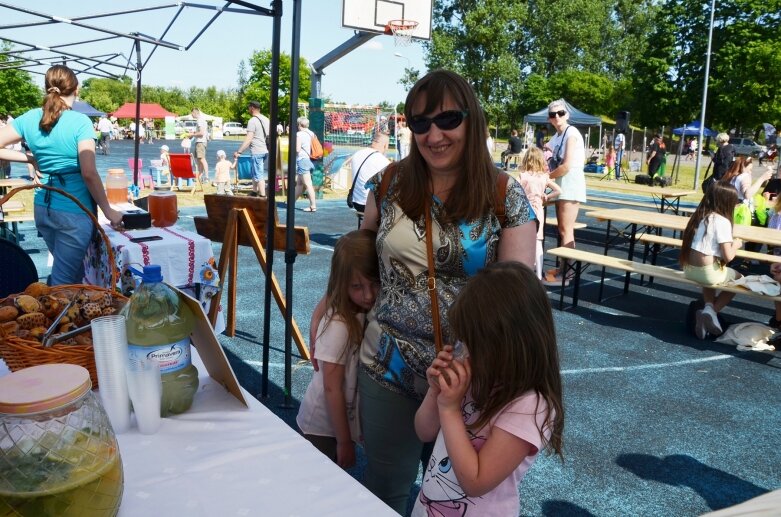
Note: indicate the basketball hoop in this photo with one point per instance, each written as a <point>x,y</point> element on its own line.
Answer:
<point>402,31</point>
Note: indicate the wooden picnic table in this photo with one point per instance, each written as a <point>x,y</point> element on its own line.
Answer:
<point>664,198</point>
<point>651,220</point>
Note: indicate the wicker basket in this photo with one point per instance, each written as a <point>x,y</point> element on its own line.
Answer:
<point>18,352</point>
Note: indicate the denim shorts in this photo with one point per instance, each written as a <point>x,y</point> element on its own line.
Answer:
<point>258,167</point>
<point>304,166</point>
<point>67,235</point>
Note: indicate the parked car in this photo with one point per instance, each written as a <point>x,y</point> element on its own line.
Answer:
<point>233,128</point>
<point>747,146</point>
<point>186,126</point>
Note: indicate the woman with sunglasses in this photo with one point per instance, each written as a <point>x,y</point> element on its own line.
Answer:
<point>450,175</point>
<point>567,169</point>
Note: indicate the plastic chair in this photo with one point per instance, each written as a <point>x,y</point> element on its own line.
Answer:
<point>146,179</point>
<point>181,167</point>
<point>17,269</point>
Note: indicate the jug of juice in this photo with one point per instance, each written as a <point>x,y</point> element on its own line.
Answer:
<point>116,186</point>
<point>159,324</point>
<point>163,209</point>
<point>58,452</point>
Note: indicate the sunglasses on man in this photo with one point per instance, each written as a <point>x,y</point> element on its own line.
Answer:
<point>451,119</point>
<point>554,114</point>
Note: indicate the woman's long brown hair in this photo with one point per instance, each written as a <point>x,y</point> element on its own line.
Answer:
<point>354,252</point>
<point>474,192</point>
<point>720,198</point>
<point>512,344</point>
<point>60,82</point>
<point>737,168</point>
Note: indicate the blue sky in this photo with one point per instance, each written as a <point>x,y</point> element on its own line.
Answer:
<point>367,75</point>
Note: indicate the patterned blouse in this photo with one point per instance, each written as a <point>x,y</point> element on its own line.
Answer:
<point>398,345</point>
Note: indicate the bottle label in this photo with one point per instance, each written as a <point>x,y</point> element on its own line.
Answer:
<point>171,357</point>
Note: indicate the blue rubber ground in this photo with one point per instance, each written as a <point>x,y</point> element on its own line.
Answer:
<point>657,422</point>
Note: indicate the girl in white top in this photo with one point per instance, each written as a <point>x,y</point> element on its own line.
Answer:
<point>493,408</point>
<point>568,150</point>
<point>536,181</point>
<point>328,416</point>
<point>707,247</point>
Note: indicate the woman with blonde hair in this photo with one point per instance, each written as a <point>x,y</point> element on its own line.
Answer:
<point>62,143</point>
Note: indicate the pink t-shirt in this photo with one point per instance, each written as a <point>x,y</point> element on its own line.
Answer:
<point>534,184</point>
<point>441,495</point>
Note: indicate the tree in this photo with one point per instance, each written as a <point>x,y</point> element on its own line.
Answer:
<point>108,94</point>
<point>258,86</point>
<point>19,91</point>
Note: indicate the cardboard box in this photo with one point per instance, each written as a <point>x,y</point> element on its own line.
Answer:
<point>209,349</point>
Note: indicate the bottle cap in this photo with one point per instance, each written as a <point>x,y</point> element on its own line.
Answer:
<point>152,273</point>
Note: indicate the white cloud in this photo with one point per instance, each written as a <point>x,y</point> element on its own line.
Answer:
<point>374,45</point>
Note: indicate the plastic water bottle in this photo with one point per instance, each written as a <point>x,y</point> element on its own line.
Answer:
<point>159,324</point>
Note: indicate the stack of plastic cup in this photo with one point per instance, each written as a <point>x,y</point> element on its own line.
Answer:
<point>146,392</point>
<point>109,342</point>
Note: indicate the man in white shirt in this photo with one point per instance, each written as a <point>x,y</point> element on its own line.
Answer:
<point>201,138</point>
<point>618,144</point>
<point>404,139</point>
<point>257,134</point>
<point>366,163</point>
<point>104,127</point>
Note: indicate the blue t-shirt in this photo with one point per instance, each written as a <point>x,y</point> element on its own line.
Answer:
<point>58,152</point>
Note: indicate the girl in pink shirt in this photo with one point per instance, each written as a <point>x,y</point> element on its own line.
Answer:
<point>493,408</point>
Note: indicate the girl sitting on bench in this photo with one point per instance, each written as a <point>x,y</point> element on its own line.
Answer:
<point>708,246</point>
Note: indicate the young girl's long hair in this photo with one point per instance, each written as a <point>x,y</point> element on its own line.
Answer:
<point>512,345</point>
<point>60,82</point>
<point>533,161</point>
<point>474,192</point>
<point>355,252</point>
<point>737,168</point>
<point>720,198</point>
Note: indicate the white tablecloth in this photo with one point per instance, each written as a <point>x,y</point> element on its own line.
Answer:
<point>180,254</point>
<point>221,459</point>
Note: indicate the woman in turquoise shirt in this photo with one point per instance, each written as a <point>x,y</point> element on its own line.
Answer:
<point>63,149</point>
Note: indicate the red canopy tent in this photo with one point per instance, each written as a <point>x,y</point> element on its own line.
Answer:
<point>128,110</point>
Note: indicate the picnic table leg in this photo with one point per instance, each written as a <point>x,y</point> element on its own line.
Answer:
<point>576,288</point>
<point>607,243</point>
<point>630,256</point>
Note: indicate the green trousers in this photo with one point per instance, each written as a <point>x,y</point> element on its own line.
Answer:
<point>393,450</point>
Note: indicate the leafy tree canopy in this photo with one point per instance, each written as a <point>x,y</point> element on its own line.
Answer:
<point>19,91</point>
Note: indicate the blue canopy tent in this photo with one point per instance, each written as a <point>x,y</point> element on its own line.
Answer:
<point>87,109</point>
<point>690,129</point>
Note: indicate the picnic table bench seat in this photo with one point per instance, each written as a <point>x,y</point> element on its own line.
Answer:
<point>577,257</point>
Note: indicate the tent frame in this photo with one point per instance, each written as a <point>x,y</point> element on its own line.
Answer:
<point>35,58</point>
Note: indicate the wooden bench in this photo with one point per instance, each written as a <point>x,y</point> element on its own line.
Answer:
<point>576,257</point>
<point>624,202</point>
<point>554,222</point>
<point>653,241</point>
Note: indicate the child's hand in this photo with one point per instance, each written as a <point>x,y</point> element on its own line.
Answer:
<point>441,361</point>
<point>345,454</point>
<point>453,384</point>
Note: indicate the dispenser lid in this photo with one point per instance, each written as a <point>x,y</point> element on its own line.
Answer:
<point>42,388</point>
<point>152,273</point>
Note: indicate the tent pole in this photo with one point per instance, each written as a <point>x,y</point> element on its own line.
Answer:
<point>642,151</point>
<point>704,97</point>
<point>136,142</point>
<point>271,188</point>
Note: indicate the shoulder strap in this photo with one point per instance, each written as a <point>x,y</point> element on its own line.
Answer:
<point>502,179</point>
<point>357,172</point>
<point>265,134</point>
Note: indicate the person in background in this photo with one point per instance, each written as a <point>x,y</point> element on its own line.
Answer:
<point>255,139</point>
<point>708,246</point>
<point>493,410</point>
<point>656,155</point>
<point>186,143</point>
<point>449,178</point>
<point>567,147</point>
<point>62,143</point>
<point>201,136</point>
<point>104,127</point>
<point>304,165</point>
<point>536,181</point>
<point>165,160</point>
<point>514,146</point>
<point>404,137</point>
<point>725,155</point>
<point>489,142</point>
<point>610,162</point>
<point>328,416</point>
<point>619,144</point>
<point>693,147</point>
<point>222,173</point>
<point>149,125</point>
<point>365,164</point>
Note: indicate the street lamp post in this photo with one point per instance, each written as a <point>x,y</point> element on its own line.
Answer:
<point>399,54</point>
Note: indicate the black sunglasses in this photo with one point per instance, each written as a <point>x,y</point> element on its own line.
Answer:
<point>560,113</point>
<point>451,119</point>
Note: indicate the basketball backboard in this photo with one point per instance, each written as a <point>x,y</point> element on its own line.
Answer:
<point>374,15</point>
